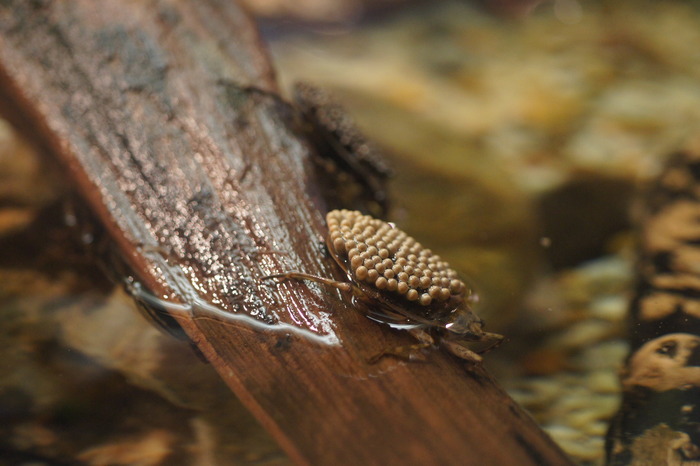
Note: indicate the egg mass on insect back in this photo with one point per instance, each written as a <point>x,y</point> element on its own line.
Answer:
<point>386,257</point>
<point>396,281</point>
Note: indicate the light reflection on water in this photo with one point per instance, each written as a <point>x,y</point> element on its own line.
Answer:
<point>198,308</point>
<point>519,128</point>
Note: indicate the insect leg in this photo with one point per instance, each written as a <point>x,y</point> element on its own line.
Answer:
<point>343,286</point>
<point>408,352</point>
<point>494,340</point>
<point>422,336</point>
<point>460,351</point>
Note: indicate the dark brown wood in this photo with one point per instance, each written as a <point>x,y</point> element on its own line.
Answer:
<point>205,189</point>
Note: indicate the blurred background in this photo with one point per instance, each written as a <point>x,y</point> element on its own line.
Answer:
<point>520,133</point>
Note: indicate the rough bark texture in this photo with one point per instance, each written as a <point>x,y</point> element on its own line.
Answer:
<point>659,420</point>
<point>204,188</point>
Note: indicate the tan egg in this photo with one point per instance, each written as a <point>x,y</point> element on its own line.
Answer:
<point>389,260</point>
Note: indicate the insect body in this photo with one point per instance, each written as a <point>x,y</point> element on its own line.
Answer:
<point>399,282</point>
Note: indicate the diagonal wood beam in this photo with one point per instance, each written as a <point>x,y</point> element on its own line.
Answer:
<point>204,188</point>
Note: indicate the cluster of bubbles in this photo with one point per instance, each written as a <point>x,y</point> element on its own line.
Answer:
<point>382,255</point>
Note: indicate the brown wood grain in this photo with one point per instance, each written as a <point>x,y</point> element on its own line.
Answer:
<point>205,189</point>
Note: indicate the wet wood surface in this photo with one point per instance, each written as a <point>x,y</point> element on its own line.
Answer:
<point>205,188</point>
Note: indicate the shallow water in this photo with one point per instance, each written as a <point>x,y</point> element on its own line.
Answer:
<point>85,378</point>
<point>517,146</point>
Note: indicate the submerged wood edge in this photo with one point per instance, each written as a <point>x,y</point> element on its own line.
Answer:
<point>659,416</point>
<point>205,188</point>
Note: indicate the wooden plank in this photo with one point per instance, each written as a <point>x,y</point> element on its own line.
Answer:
<point>204,189</point>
